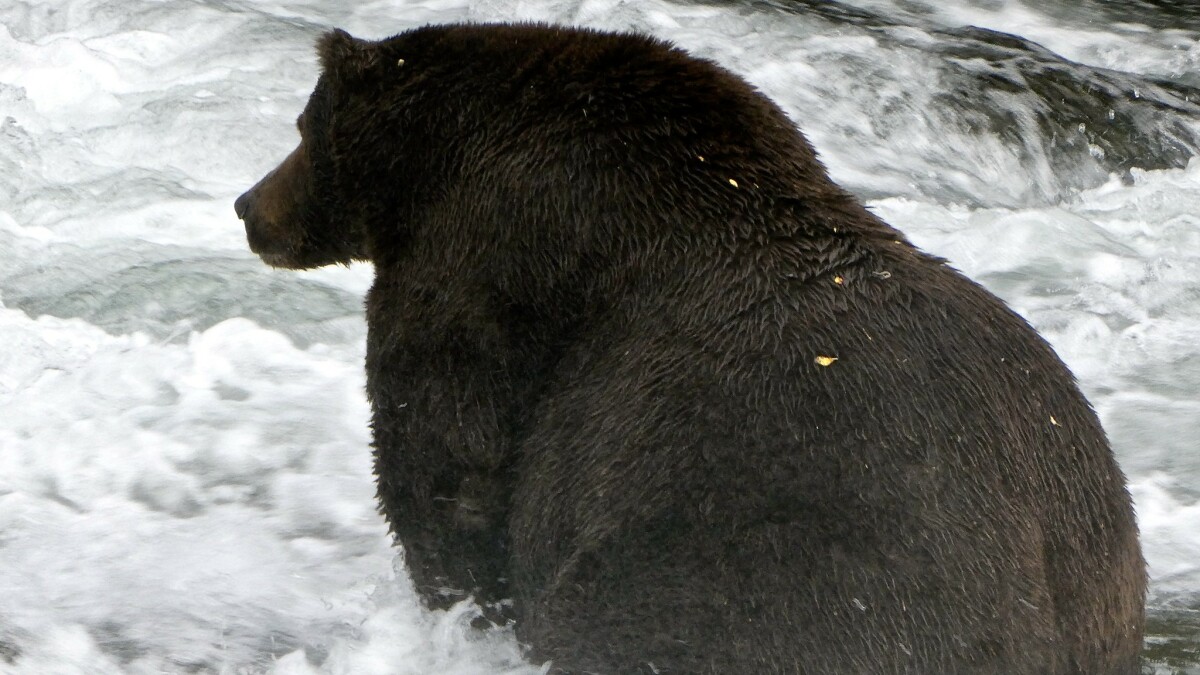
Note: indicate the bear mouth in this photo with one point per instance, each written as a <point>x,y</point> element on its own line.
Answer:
<point>277,259</point>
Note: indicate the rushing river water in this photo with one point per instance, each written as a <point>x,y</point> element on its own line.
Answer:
<point>184,467</point>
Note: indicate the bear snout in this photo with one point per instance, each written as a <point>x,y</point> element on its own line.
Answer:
<point>268,211</point>
<point>242,204</point>
<point>263,235</point>
<point>252,217</point>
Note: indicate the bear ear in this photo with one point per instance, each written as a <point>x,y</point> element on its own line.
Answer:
<point>344,57</point>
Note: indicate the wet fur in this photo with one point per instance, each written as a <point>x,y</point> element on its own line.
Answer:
<point>638,364</point>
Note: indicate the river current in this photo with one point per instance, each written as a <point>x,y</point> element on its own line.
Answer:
<point>184,463</point>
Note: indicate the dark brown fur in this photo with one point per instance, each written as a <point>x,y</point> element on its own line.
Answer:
<point>611,283</point>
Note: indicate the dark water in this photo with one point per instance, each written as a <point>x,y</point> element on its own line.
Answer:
<point>1071,124</point>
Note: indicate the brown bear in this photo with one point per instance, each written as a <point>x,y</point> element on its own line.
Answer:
<point>637,364</point>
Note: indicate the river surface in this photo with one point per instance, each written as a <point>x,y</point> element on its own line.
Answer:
<point>184,465</point>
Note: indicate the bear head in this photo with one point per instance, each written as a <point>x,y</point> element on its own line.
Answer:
<point>393,131</point>
<point>298,216</point>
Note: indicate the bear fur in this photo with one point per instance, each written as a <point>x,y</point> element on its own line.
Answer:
<point>636,363</point>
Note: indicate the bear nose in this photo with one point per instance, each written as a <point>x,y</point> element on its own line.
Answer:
<point>241,205</point>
